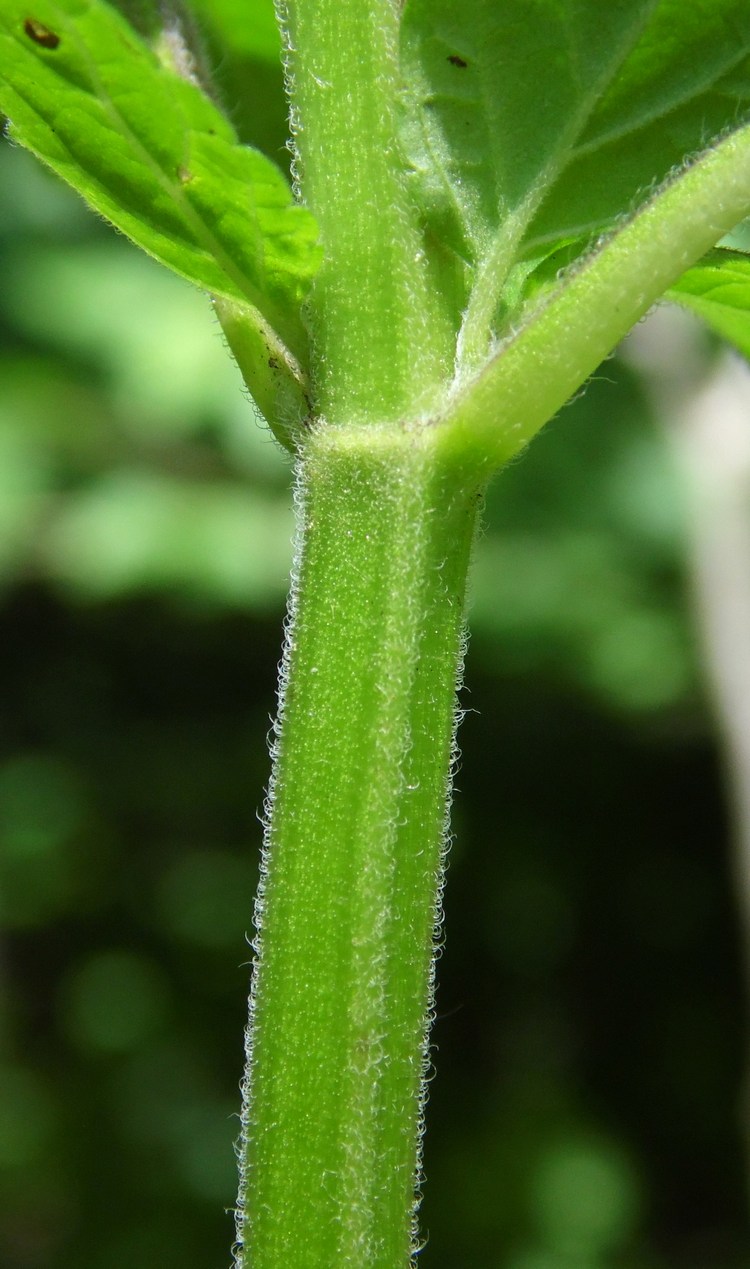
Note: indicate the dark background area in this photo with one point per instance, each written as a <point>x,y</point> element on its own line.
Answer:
<point>587,1111</point>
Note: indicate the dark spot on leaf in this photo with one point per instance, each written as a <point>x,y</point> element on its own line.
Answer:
<point>273,363</point>
<point>40,33</point>
<point>455,60</point>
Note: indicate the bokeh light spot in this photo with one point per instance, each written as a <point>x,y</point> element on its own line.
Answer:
<point>207,898</point>
<point>114,1001</point>
<point>584,1198</point>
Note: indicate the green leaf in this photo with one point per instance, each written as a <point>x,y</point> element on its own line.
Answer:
<point>739,238</point>
<point>535,122</point>
<point>497,97</point>
<point>151,151</point>
<point>686,82</point>
<point>718,290</point>
<point>569,327</point>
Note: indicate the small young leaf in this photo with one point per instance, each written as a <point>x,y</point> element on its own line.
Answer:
<point>718,290</point>
<point>151,152</point>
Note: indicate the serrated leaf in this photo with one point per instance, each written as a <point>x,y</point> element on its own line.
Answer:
<point>537,122</point>
<point>718,290</point>
<point>153,153</point>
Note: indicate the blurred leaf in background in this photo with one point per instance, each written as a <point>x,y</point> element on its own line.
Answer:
<point>588,1047</point>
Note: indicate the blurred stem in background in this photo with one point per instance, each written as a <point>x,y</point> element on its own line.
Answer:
<point>706,413</point>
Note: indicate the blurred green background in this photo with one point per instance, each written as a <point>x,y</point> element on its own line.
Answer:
<point>590,1041</point>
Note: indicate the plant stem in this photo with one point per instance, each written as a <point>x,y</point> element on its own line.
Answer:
<point>560,342</point>
<point>381,345</point>
<point>475,337</point>
<point>354,855</point>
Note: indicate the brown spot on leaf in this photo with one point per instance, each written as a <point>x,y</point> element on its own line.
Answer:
<point>40,33</point>
<point>455,60</point>
<point>184,176</point>
<point>273,363</point>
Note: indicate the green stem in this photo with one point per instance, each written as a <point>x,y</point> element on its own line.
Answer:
<point>381,347</point>
<point>562,341</point>
<point>475,337</point>
<point>275,378</point>
<point>354,855</point>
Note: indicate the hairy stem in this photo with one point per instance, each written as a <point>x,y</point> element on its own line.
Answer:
<point>563,340</point>
<point>354,856</point>
<point>381,348</point>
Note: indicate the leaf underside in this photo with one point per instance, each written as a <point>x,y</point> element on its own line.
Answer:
<point>718,290</point>
<point>151,152</point>
<point>533,126</point>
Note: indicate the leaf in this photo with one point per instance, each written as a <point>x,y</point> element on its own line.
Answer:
<point>567,329</point>
<point>497,96</point>
<point>532,123</point>
<point>151,152</point>
<point>718,290</point>
<point>739,238</point>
